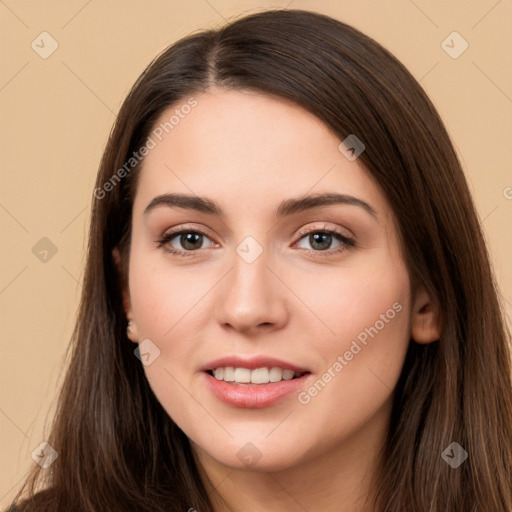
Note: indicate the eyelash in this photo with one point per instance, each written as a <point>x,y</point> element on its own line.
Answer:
<point>348,243</point>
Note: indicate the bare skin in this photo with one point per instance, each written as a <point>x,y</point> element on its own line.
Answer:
<point>296,301</point>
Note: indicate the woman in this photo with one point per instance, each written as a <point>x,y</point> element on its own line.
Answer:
<point>259,370</point>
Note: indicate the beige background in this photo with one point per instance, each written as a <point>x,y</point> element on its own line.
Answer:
<point>56,114</point>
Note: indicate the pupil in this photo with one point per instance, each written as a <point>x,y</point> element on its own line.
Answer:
<point>188,238</point>
<point>316,236</point>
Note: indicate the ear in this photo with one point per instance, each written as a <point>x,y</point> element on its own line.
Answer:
<point>127,304</point>
<point>425,321</point>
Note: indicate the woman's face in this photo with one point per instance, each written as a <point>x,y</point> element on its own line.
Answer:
<point>262,284</point>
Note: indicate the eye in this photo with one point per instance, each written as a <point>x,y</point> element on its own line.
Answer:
<point>321,240</point>
<point>191,240</point>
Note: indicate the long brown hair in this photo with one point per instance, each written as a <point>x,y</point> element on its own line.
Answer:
<point>119,450</point>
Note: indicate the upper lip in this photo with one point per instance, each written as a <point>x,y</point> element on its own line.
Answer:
<point>252,363</point>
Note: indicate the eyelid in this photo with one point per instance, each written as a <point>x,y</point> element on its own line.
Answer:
<point>301,232</point>
<point>325,227</point>
<point>184,227</point>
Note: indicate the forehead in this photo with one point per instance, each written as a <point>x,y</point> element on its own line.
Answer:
<point>248,149</point>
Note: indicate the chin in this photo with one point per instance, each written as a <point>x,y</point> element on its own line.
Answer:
<point>257,455</point>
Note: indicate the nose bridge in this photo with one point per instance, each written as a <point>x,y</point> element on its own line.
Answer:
<point>251,294</point>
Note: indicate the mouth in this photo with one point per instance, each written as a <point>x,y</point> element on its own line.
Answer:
<point>240,376</point>
<point>254,388</point>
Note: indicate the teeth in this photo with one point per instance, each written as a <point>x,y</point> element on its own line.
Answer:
<point>256,376</point>
<point>288,374</point>
<point>229,374</point>
<point>260,376</point>
<point>275,374</point>
<point>242,375</point>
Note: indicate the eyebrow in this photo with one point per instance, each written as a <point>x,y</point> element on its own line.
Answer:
<point>286,208</point>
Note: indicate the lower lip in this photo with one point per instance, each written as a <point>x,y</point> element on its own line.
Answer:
<point>254,396</point>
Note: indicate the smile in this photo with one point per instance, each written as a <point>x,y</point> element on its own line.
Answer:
<point>254,395</point>
<point>256,376</point>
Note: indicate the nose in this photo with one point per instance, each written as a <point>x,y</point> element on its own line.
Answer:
<point>252,297</point>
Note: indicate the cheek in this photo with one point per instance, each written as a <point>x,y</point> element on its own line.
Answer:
<point>163,302</point>
<point>362,312</point>
<point>363,339</point>
<point>346,301</point>
<point>161,296</point>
